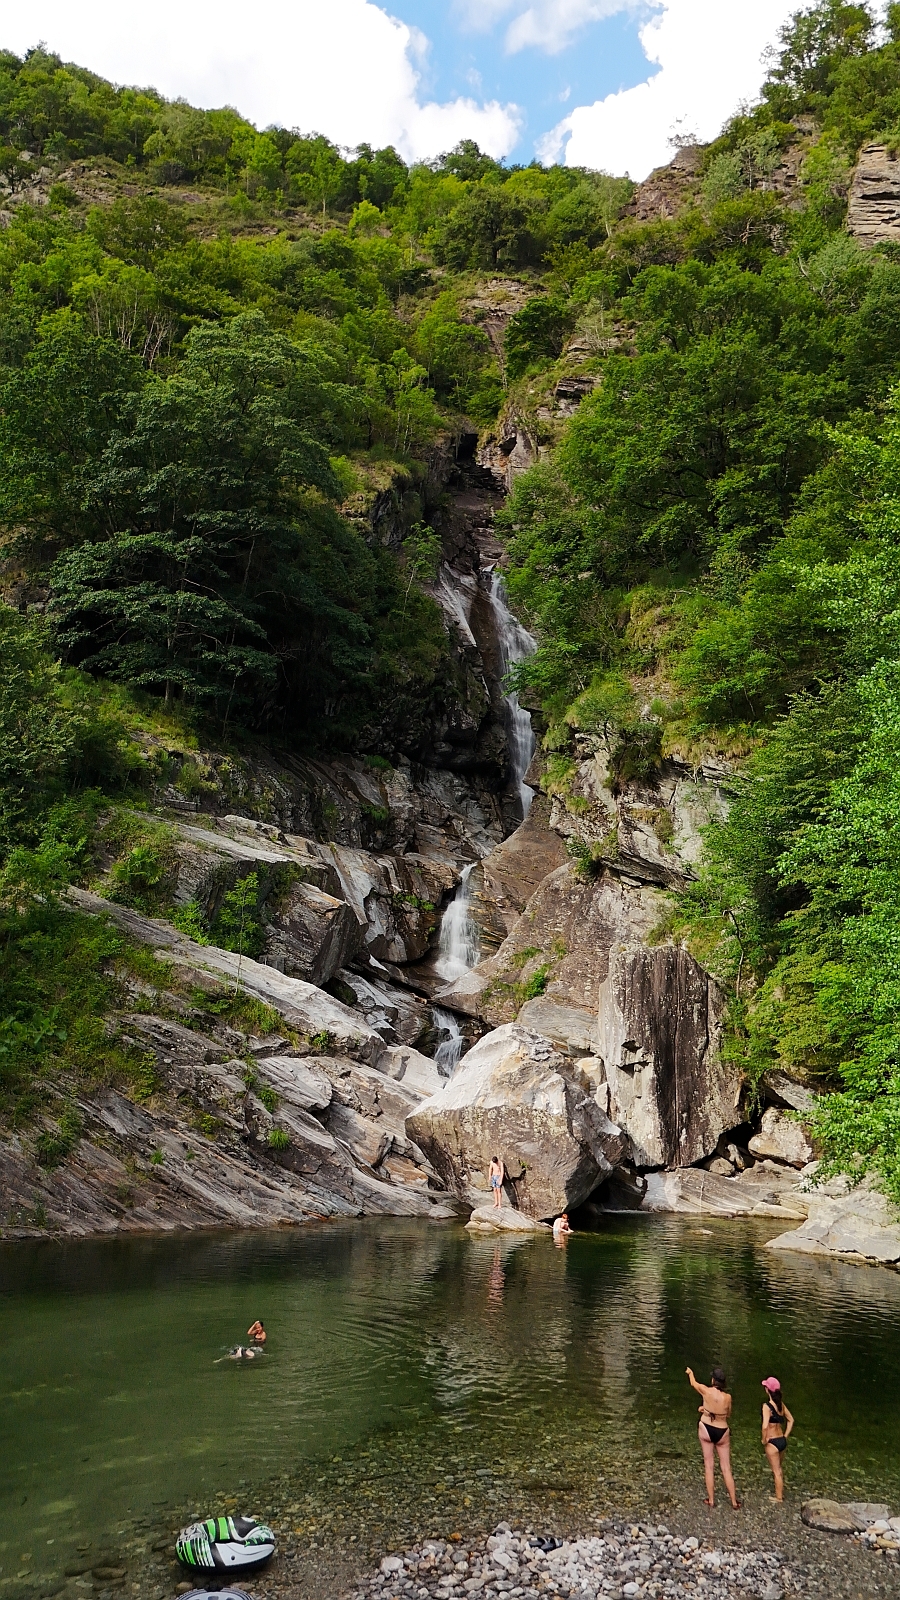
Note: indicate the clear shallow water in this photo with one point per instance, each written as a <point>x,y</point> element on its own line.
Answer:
<point>530,1358</point>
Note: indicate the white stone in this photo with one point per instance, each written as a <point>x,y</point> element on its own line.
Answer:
<point>781,1138</point>
<point>518,1097</point>
<point>503,1219</point>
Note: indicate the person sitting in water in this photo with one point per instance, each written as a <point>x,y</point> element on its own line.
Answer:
<point>561,1226</point>
<point>257,1332</point>
<point>496,1174</point>
<point>714,1433</point>
<point>777,1423</point>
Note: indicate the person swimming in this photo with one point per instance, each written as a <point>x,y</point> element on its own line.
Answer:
<point>240,1352</point>
<point>777,1424</point>
<point>257,1333</point>
<point>714,1433</point>
<point>561,1226</point>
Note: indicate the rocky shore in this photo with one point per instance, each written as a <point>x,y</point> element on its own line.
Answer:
<point>620,1561</point>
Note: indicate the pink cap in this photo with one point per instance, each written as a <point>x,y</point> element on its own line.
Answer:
<point>771,1383</point>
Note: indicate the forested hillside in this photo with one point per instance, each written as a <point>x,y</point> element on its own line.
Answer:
<point>216,342</point>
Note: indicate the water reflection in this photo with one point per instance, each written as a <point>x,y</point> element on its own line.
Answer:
<point>112,1399</point>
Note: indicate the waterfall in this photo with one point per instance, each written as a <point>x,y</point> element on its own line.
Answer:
<point>458,940</point>
<point>516,645</point>
<point>448,1052</point>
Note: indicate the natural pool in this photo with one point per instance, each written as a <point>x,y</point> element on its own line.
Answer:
<point>410,1364</point>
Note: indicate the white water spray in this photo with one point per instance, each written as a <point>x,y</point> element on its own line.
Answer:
<point>515,645</point>
<point>448,1053</point>
<point>458,940</point>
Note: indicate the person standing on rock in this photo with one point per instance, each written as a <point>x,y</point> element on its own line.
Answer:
<point>777,1423</point>
<point>496,1174</point>
<point>714,1433</point>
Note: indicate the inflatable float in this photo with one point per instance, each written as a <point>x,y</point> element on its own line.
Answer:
<point>225,1544</point>
<point>216,1594</point>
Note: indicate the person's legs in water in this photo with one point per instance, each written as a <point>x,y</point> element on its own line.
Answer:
<point>774,1458</point>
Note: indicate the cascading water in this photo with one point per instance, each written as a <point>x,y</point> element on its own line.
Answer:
<point>515,645</point>
<point>448,1053</point>
<point>458,943</point>
<point>458,940</point>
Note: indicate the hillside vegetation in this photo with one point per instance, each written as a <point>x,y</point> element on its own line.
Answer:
<point>213,339</point>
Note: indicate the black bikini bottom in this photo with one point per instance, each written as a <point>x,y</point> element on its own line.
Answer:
<point>715,1435</point>
<point>780,1444</point>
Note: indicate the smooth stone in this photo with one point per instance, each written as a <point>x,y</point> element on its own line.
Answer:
<point>503,1219</point>
<point>829,1516</point>
<point>869,1511</point>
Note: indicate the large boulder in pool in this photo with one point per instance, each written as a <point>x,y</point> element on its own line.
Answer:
<point>517,1096</point>
<point>659,1029</point>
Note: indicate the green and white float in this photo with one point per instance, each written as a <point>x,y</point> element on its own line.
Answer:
<point>225,1544</point>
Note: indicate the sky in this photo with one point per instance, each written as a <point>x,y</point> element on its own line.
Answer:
<point>595,83</point>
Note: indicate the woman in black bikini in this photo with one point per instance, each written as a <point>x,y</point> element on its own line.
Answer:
<point>714,1433</point>
<point>777,1423</point>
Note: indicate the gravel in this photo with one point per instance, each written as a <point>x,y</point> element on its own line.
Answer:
<point>622,1561</point>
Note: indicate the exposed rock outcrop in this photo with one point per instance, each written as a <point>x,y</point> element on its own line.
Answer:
<point>873,210</point>
<point>781,1138</point>
<point>858,1223</point>
<point>763,1191</point>
<point>514,1095</point>
<point>235,1129</point>
<point>658,1035</point>
<point>559,948</point>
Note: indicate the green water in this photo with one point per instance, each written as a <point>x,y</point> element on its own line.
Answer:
<point>112,1405</point>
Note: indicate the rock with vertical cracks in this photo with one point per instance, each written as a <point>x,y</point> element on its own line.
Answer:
<point>659,1029</point>
<point>514,1095</point>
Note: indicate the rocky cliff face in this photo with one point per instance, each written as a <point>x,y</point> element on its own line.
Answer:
<point>873,210</point>
<point>599,1051</point>
<point>658,1035</point>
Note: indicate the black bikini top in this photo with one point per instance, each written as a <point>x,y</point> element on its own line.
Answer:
<point>775,1416</point>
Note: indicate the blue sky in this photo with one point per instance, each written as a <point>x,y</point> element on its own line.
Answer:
<point>465,60</point>
<point>596,83</point>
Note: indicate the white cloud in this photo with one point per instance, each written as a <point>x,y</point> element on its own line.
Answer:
<point>344,68</point>
<point>551,25</point>
<point>548,25</point>
<point>708,52</point>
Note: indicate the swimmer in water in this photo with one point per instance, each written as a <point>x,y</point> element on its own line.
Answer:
<point>561,1227</point>
<point>257,1332</point>
<point>714,1433</point>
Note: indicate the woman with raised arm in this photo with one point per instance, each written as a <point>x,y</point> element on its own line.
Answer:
<point>714,1433</point>
<point>777,1423</point>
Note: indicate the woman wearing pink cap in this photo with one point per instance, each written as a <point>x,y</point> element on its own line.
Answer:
<point>777,1423</point>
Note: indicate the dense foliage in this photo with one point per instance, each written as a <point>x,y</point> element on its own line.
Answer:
<point>710,560</point>
<point>193,382</point>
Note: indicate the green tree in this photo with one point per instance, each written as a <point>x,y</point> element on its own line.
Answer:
<point>215,555</point>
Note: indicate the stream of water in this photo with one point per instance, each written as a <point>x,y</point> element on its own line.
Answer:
<point>458,936</point>
<point>516,645</point>
<point>115,1403</point>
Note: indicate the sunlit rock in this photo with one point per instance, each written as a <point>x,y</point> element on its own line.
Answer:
<point>659,1028</point>
<point>516,1096</point>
